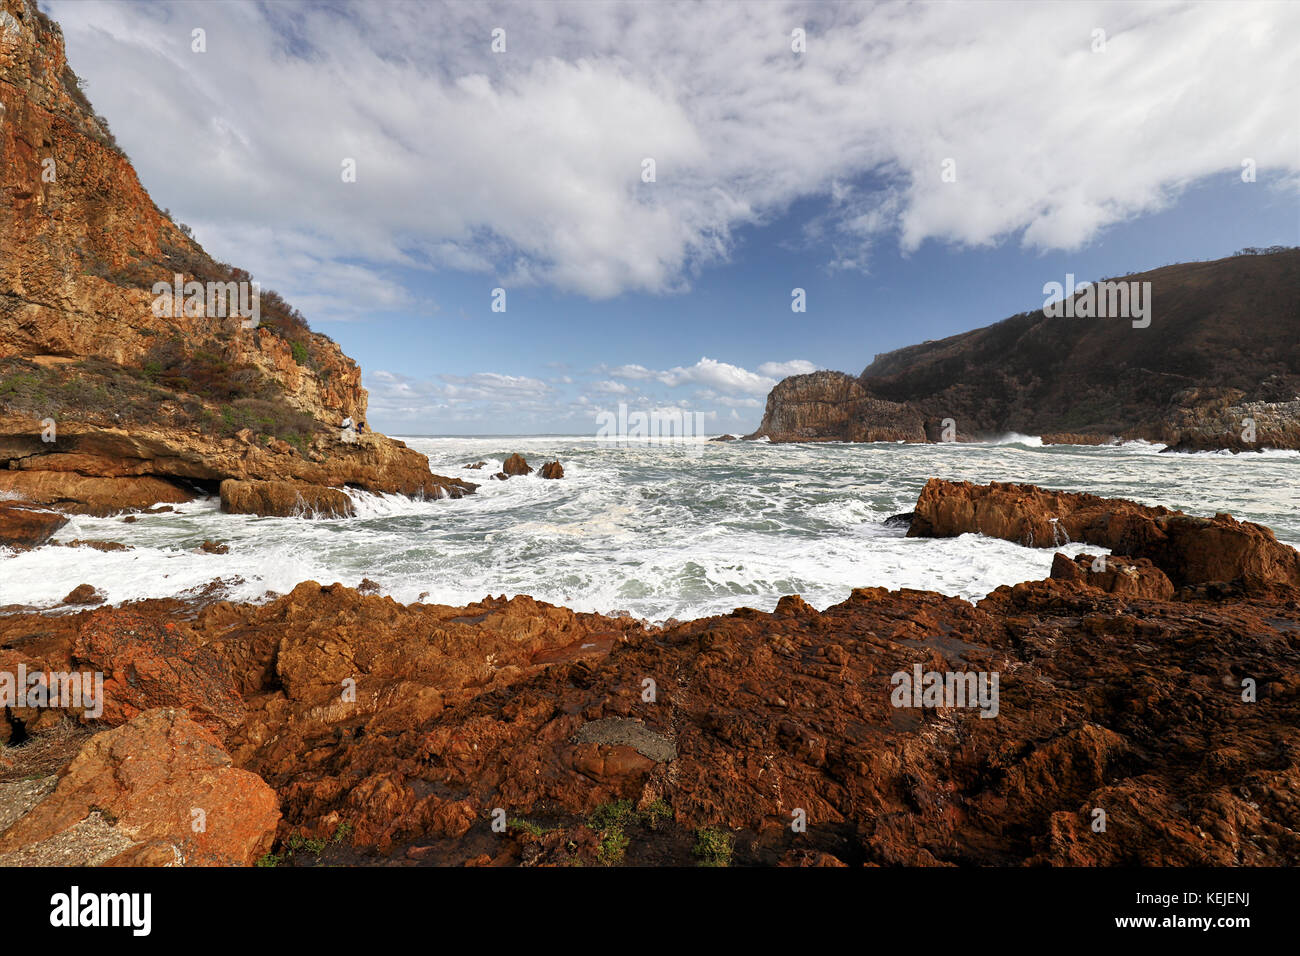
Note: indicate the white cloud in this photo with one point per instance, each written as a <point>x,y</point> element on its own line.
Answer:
<point>526,165</point>
<point>779,370</point>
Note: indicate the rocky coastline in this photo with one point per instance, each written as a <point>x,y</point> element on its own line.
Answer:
<point>1160,685</point>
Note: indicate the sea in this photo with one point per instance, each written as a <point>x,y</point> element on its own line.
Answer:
<point>658,529</point>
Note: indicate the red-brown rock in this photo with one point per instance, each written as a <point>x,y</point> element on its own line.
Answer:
<point>149,662</point>
<point>167,789</point>
<point>1189,550</point>
<point>25,527</point>
<point>515,465</point>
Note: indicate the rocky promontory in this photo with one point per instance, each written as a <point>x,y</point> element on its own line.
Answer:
<point>110,402</point>
<point>1216,368</point>
<point>1158,690</point>
<point>832,406</point>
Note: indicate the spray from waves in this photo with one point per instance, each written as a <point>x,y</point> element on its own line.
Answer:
<point>1014,438</point>
<point>645,529</point>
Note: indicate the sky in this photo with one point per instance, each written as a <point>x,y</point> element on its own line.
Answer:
<point>916,169</point>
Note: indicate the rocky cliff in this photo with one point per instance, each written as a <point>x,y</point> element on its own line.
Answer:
<point>1218,367</point>
<point>832,406</point>
<point>105,399</point>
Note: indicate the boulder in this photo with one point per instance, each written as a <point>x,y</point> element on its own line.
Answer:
<point>82,494</point>
<point>1115,574</point>
<point>552,469</point>
<point>515,465</point>
<point>84,594</point>
<point>284,499</point>
<point>159,790</point>
<point>24,527</point>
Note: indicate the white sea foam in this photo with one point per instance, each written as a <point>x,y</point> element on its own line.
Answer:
<point>656,530</point>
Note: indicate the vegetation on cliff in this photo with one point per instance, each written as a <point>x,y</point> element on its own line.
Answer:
<point>1220,350</point>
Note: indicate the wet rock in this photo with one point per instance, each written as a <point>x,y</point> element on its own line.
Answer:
<point>22,526</point>
<point>284,499</point>
<point>214,547</point>
<point>84,594</point>
<point>1189,550</point>
<point>91,495</point>
<point>516,465</point>
<point>98,545</point>
<point>552,469</point>
<point>476,465</point>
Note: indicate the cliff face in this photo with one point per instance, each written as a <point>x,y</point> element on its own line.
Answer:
<point>832,406</point>
<point>194,395</point>
<point>1220,349</point>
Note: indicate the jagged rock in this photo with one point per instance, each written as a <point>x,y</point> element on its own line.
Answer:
<point>157,791</point>
<point>1115,574</point>
<point>284,499</point>
<point>149,662</point>
<point>476,465</point>
<point>1189,550</point>
<point>516,465</point>
<point>552,469</point>
<point>1074,438</point>
<point>97,545</point>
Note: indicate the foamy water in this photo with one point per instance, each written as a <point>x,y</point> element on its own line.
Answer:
<point>658,530</point>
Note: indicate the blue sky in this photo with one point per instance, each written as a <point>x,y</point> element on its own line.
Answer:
<point>775,168</point>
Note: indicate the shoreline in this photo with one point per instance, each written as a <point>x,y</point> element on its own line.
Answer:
<point>377,733</point>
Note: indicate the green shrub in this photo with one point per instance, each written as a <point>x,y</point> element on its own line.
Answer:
<point>713,846</point>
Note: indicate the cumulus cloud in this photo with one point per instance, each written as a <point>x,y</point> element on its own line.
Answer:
<point>715,377</point>
<point>527,165</point>
<point>783,369</point>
